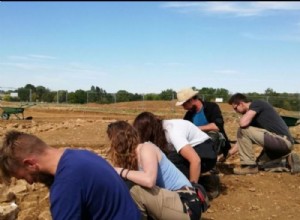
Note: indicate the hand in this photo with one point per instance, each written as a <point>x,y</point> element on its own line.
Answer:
<point>231,152</point>
<point>118,169</point>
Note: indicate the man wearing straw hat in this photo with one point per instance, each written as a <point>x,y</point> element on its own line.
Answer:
<point>207,116</point>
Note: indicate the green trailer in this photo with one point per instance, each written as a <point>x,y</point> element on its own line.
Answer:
<point>18,112</point>
<point>7,111</point>
<point>290,121</point>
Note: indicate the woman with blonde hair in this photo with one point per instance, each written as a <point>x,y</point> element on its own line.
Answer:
<point>160,190</point>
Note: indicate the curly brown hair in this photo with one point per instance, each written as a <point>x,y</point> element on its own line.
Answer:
<point>124,141</point>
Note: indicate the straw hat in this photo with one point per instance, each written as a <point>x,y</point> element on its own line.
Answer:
<point>184,95</point>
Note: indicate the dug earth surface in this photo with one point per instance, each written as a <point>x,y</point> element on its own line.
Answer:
<point>266,195</point>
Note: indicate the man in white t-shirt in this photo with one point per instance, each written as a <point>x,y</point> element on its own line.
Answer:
<point>189,148</point>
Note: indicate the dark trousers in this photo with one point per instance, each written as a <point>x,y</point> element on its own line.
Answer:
<point>205,151</point>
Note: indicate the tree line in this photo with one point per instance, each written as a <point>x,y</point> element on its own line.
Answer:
<point>31,93</point>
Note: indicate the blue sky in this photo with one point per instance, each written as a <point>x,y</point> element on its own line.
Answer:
<point>148,47</point>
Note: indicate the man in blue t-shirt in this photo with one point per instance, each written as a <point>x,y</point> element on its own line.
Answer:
<point>82,184</point>
<point>207,116</point>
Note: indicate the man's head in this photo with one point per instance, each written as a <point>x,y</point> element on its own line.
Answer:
<point>19,156</point>
<point>186,98</point>
<point>239,102</point>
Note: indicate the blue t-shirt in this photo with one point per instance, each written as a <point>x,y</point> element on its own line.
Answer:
<point>87,187</point>
<point>199,118</point>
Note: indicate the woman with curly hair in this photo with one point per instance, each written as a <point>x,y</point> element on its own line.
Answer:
<point>160,190</point>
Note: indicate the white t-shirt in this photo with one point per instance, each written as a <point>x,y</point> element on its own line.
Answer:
<point>181,132</point>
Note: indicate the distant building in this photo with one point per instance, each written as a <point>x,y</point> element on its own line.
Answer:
<point>219,99</point>
<point>14,94</point>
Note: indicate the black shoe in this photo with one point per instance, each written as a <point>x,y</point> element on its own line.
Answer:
<point>211,183</point>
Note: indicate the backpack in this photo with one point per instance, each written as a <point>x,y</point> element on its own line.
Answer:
<point>202,195</point>
<point>218,140</point>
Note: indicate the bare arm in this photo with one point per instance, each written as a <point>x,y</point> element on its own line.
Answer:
<point>191,155</point>
<point>209,127</point>
<point>247,118</point>
<point>149,162</point>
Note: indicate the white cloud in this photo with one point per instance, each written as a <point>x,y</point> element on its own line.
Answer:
<point>41,56</point>
<point>173,64</point>
<point>41,69</point>
<point>234,8</point>
<point>227,72</point>
<point>181,4</point>
<point>31,57</point>
<point>295,37</point>
<point>167,64</point>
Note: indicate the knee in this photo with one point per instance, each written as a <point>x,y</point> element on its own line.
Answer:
<point>244,131</point>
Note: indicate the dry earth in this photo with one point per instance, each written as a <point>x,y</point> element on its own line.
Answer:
<point>261,196</point>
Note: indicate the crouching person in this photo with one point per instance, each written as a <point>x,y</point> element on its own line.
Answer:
<point>160,190</point>
<point>82,184</point>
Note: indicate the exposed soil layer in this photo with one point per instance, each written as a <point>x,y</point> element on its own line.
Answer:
<point>266,195</point>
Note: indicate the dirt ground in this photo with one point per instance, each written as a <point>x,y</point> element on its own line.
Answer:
<point>264,195</point>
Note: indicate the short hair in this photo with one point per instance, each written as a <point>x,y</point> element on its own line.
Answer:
<point>196,97</point>
<point>237,98</point>
<point>16,146</point>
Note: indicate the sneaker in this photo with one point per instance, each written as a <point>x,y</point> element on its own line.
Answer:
<point>262,158</point>
<point>212,184</point>
<point>272,165</point>
<point>245,169</point>
<point>293,161</point>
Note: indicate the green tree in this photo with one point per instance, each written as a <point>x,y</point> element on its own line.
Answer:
<point>207,94</point>
<point>167,94</point>
<point>151,96</point>
<point>80,96</point>
<point>41,92</point>
<point>222,93</point>
<point>270,92</point>
<point>122,96</point>
<point>23,94</point>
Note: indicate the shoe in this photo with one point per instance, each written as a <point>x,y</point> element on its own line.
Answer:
<point>245,169</point>
<point>212,195</point>
<point>262,158</point>
<point>265,163</point>
<point>293,162</point>
<point>212,184</point>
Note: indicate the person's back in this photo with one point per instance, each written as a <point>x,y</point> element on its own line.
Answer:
<point>91,189</point>
<point>181,132</point>
<point>262,125</point>
<point>168,175</point>
<point>267,118</point>
<point>160,190</point>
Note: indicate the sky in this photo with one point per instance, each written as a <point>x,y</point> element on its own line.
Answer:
<point>149,47</point>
